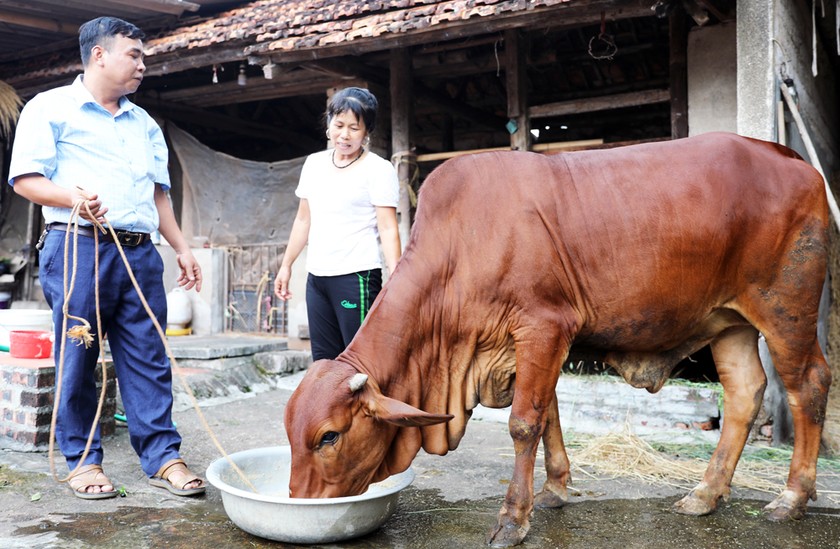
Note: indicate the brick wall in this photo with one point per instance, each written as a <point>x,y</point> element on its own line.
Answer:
<point>27,390</point>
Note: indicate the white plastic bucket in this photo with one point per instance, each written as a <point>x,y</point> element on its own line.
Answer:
<point>23,319</point>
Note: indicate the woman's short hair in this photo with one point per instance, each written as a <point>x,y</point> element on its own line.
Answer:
<point>359,101</point>
<point>100,32</point>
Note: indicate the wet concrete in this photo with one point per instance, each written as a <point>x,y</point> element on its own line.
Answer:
<point>453,501</point>
<point>426,521</point>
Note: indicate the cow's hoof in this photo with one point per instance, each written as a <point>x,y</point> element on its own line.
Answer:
<point>506,536</point>
<point>694,505</point>
<point>786,507</point>
<point>547,499</point>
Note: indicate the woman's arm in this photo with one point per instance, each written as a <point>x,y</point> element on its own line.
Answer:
<point>389,235</point>
<point>297,241</point>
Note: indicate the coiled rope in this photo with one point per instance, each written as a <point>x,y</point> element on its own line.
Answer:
<point>82,334</point>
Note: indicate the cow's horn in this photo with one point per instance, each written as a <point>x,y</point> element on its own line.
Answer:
<point>357,382</point>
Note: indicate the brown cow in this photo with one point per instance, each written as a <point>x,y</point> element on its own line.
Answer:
<point>636,256</point>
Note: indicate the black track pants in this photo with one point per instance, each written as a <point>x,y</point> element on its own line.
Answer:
<point>336,307</point>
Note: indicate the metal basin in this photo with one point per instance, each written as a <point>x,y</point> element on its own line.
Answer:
<point>272,514</point>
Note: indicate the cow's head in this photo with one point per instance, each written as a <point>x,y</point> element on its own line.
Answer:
<point>341,429</point>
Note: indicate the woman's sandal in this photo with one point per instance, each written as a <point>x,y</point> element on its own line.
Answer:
<point>87,476</point>
<point>161,479</point>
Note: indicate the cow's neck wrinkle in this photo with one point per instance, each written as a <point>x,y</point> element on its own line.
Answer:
<point>398,345</point>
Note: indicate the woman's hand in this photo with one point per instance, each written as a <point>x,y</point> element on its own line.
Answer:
<point>281,283</point>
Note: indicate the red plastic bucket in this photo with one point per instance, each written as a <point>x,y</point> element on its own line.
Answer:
<point>30,344</point>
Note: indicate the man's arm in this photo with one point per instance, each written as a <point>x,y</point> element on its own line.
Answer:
<point>40,190</point>
<point>190,270</point>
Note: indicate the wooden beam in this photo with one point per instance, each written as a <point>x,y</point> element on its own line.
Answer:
<point>401,94</point>
<point>604,103</point>
<point>40,23</point>
<point>713,10</point>
<point>257,89</point>
<point>174,7</point>
<point>539,147</point>
<point>517,94</point>
<point>182,60</point>
<point>678,50</point>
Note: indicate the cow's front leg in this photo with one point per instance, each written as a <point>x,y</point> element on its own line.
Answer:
<point>532,402</point>
<point>513,522</point>
<point>554,492</point>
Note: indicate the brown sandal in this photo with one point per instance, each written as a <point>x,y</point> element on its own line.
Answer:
<point>161,479</point>
<point>87,476</point>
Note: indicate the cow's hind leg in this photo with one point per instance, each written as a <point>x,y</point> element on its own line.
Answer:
<point>807,379</point>
<point>735,352</point>
<point>558,476</point>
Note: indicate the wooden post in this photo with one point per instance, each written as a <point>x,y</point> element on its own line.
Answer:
<point>401,116</point>
<point>516,90</point>
<point>33,233</point>
<point>678,31</point>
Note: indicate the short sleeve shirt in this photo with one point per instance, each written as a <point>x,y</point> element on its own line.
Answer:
<point>64,135</point>
<point>343,233</point>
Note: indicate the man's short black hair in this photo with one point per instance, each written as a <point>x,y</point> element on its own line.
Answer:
<point>359,101</point>
<point>101,31</point>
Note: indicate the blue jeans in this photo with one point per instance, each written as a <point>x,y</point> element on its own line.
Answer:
<point>140,361</point>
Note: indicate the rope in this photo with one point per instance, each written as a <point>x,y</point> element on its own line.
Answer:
<point>82,333</point>
<point>87,339</point>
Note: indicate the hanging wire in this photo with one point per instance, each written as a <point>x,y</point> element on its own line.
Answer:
<point>603,46</point>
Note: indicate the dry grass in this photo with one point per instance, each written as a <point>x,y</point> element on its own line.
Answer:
<point>624,454</point>
<point>10,105</point>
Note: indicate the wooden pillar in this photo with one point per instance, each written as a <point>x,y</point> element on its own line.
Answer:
<point>33,228</point>
<point>678,45</point>
<point>401,116</point>
<point>517,91</point>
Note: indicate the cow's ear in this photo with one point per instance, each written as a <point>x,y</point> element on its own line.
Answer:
<point>399,413</point>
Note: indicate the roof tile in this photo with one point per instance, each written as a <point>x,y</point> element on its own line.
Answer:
<point>299,24</point>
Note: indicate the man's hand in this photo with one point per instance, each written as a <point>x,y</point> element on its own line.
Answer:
<point>92,208</point>
<point>190,271</point>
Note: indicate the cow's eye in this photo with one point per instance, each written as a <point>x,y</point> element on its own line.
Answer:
<point>329,438</point>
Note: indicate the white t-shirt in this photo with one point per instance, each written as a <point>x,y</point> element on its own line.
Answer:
<point>343,234</point>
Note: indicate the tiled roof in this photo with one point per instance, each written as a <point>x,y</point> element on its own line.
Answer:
<point>284,25</point>
<point>265,26</point>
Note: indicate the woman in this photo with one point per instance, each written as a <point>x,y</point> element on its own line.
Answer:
<point>348,198</point>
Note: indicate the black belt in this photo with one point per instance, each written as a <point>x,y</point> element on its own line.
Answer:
<point>126,238</point>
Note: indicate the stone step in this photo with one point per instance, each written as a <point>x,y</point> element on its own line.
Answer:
<point>225,379</point>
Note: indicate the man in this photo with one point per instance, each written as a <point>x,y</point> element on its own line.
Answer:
<point>87,142</point>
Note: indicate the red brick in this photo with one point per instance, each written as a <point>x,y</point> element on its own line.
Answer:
<point>36,399</point>
<point>45,378</point>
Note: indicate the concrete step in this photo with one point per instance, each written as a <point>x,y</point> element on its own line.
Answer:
<point>600,404</point>
<point>224,379</point>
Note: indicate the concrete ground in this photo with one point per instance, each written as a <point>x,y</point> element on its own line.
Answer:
<point>452,502</point>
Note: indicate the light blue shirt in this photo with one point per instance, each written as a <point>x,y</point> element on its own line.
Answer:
<point>66,136</point>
